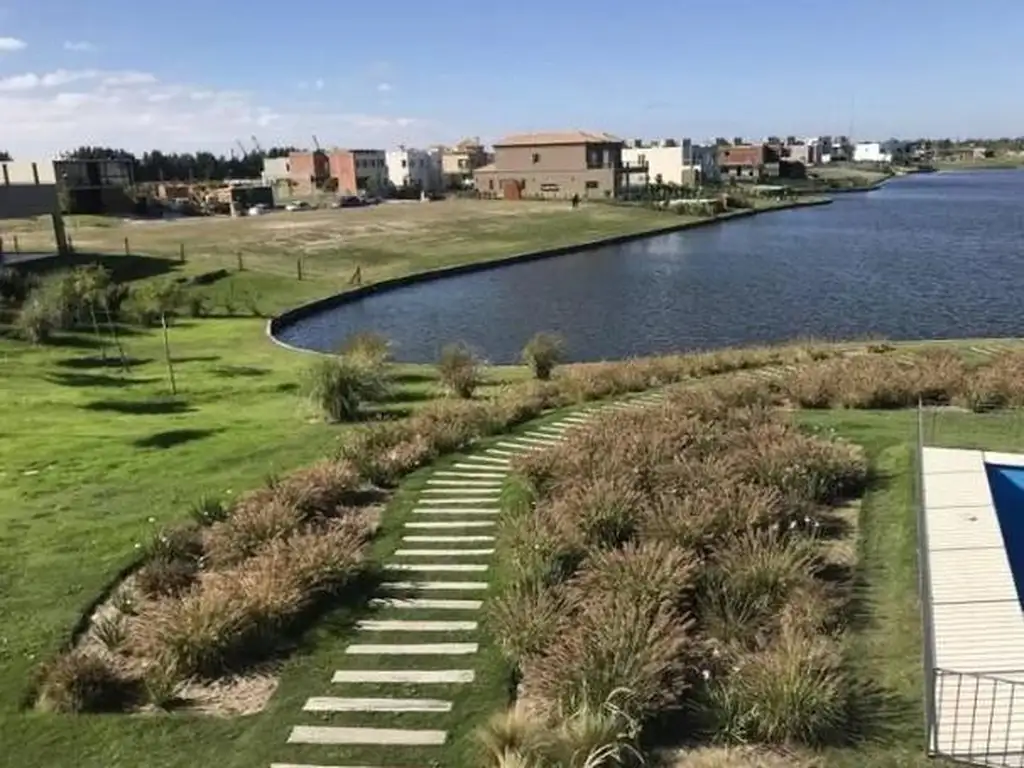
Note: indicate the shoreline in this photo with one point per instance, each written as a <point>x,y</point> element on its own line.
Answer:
<point>290,316</point>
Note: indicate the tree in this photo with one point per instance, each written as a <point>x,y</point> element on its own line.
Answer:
<point>5,156</point>
<point>163,299</point>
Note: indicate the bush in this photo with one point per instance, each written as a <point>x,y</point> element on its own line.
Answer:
<point>198,305</point>
<point>793,692</point>
<point>36,320</point>
<point>542,353</point>
<point>651,573</point>
<point>251,526</point>
<point>339,388</point>
<point>612,641</point>
<point>459,370</point>
<point>524,620</point>
<point>14,286</point>
<point>80,681</point>
<point>369,348</point>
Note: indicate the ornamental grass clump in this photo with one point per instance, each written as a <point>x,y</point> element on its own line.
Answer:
<point>338,388</point>
<point>459,370</point>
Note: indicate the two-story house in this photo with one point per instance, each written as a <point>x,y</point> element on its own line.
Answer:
<point>553,165</point>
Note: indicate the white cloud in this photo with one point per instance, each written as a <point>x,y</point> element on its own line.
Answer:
<point>79,46</point>
<point>45,113</point>
<point>384,87</point>
<point>318,84</point>
<point>9,44</point>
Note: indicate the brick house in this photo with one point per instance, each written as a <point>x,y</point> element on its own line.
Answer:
<point>556,165</point>
<point>748,161</point>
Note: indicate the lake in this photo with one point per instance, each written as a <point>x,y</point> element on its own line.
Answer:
<point>926,256</point>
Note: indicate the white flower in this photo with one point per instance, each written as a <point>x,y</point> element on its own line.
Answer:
<point>706,674</point>
<point>151,519</point>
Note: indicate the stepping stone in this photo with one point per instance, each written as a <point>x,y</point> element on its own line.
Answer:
<point>426,603</point>
<point>488,475</point>
<point>481,462</point>
<point>464,511</point>
<point>444,552</point>
<point>412,649</point>
<point>405,676</point>
<point>402,625</point>
<point>521,447</point>
<point>559,431</point>
<point>447,539</point>
<point>443,502</point>
<point>499,452</point>
<point>439,567</point>
<point>543,443</point>
<point>482,492</point>
<point>430,586</point>
<point>338,704</point>
<point>323,734</point>
<point>464,483</point>
<point>436,524</point>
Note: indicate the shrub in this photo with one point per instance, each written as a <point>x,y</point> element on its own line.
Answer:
<point>198,305</point>
<point>369,348</point>
<point>14,286</point>
<point>208,510</point>
<point>319,490</point>
<point>794,692</point>
<point>160,684</point>
<point>162,577</point>
<point>514,737</point>
<point>338,388</point>
<point>542,353</point>
<point>611,642</point>
<point>538,551</point>
<point>382,453</point>
<point>605,511</point>
<point>80,681</point>
<point>651,573</point>
<point>459,370</point>
<point>36,320</point>
<point>598,735</point>
<point>252,525</point>
<point>748,582</point>
<point>524,620</point>
<point>110,631</point>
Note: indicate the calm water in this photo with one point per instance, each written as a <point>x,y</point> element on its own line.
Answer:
<point>930,256</point>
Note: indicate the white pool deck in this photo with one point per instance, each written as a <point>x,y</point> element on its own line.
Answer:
<point>978,624</point>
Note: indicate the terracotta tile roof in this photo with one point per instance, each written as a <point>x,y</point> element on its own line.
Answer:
<point>486,168</point>
<point>556,137</point>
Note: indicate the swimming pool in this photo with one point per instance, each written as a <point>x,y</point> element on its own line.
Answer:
<point>1007,485</point>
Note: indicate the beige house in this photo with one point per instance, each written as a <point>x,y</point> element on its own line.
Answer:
<point>30,189</point>
<point>458,163</point>
<point>558,165</point>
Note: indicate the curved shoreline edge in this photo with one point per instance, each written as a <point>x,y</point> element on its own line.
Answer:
<point>290,316</point>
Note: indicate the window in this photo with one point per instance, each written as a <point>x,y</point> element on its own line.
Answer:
<point>592,185</point>
<point>490,184</point>
<point>549,187</point>
<point>536,157</point>
<point>405,164</point>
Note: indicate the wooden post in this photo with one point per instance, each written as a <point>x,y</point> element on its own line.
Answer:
<point>127,247</point>
<point>181,252</point>
<point>1,247</point>
<point>298,267</point>
<point>17,248</point>
<point>71,244</point>
<point>241,264</point>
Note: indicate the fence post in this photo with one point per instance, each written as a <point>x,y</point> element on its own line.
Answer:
<point>17,247</point>
<point>298,267</point>
<point>241,264</point>
<point>71,245</point>
<point>127,247</point>
<point>181,252</point>
<point>1,247</point>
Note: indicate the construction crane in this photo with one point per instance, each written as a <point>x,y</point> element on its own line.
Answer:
<point>316,143</point>
<point>241,146</point>
<point>256,143</point>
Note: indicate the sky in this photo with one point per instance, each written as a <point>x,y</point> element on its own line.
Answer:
<point>193,74</point>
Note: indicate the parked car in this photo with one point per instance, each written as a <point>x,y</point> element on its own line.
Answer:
<point>298,205</point>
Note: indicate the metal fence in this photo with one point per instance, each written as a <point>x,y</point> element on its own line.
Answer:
<point>970,717</point>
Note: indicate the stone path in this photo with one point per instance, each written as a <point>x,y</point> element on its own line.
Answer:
<point>398,683</point>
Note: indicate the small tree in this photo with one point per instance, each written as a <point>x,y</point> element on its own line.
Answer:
<point>459,370</point>
<point>543,352</point>
<point>163,300</point>
<point>36,320</point>
<point>368,347</point>
<point>338,387</point>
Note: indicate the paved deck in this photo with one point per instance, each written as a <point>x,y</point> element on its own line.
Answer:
<point>978,624</point>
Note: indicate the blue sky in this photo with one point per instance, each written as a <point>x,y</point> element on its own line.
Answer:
<point>185,74</point>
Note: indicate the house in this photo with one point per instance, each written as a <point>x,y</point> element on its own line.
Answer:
<point>308,172</point>
<point>459,163</point>
<point>807,152</point>
<point>345,171</point>
<point>276,169</point>
<point>30,189</point>
<point>556,164</point>
<point>668,162</point>
<point>749,161</point>
<point>870,152</point>
<point>419,168</point>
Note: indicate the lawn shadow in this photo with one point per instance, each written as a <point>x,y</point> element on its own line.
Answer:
<point>196,359</point>
<point>411,396</point>
<point>123,268</point>
<point>94,380</point>
<point>415,378</point>
<point>240,371</point>
<point>174,437</point>
<point>157,406</point>
<point>111,361</point>
<point>287,386</point>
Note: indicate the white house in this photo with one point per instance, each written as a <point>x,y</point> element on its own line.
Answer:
<point>414,168</point>
<point>870,152</point>
<point>670,162</point>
